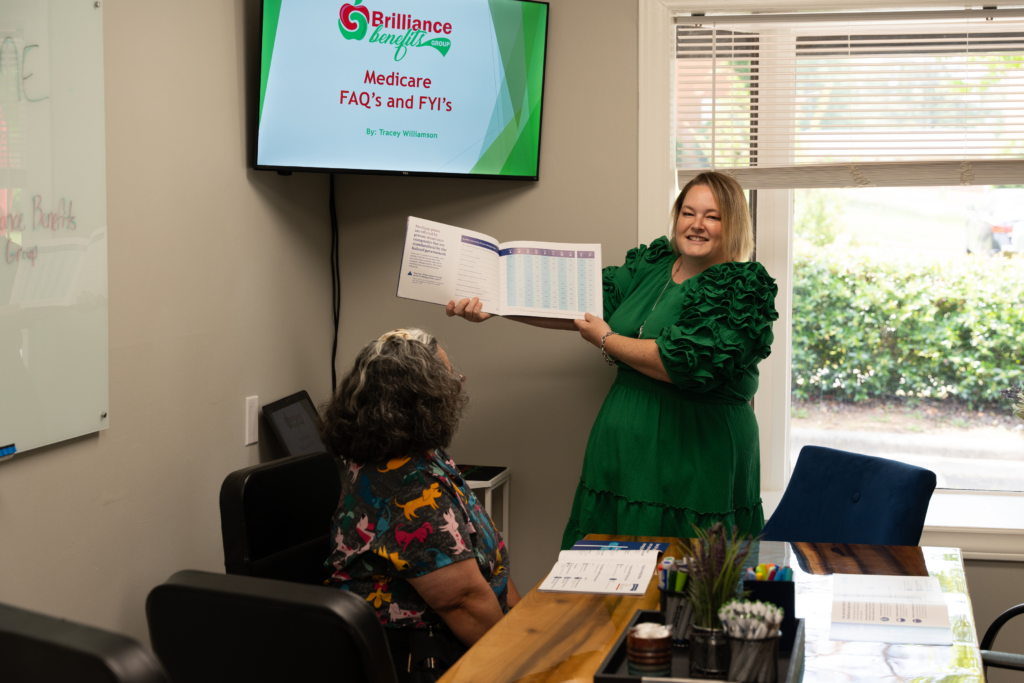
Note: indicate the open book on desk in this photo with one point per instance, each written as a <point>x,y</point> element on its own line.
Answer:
<point>604,572</point>
<point>538,279</point>
<point>889,609</point>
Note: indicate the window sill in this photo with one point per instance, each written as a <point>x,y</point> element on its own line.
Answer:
<point>985,525</point>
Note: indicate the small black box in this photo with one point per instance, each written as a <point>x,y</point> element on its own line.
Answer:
<point>781,594</point>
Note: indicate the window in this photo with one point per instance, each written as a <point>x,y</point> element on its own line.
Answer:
<point>851,100</point>
<point>795,105</point>
<point>908,318</point>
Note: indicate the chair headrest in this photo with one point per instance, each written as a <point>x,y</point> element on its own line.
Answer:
<point>278,505</point>
<point>35,647</point>
<point>210,627</point>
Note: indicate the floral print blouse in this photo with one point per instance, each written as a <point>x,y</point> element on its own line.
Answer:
<point>404,519</point>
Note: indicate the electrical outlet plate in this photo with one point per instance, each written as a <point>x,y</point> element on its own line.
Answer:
<point>252,404</point>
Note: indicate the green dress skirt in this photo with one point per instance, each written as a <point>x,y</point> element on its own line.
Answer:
<point>663,457</point>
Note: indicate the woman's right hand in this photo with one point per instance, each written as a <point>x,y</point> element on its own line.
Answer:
<point>470,309</point>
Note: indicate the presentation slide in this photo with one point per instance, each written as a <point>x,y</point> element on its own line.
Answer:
<point>423,86</point>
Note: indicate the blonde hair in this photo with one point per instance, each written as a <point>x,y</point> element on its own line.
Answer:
<point>737,228</point>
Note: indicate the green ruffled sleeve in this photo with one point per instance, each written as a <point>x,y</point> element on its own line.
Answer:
<point>618,280</point>
<point>725,327</point>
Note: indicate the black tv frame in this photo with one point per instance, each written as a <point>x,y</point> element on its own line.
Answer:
<point>288,170</point>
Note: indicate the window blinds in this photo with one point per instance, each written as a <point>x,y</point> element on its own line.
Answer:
<point>848,100</point>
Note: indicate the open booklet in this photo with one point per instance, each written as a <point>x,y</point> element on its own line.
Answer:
<point>604,572</point>
<point>540,279</point>
<point>889,609</point>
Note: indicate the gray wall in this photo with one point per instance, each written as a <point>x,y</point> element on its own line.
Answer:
<point>219,285</point>
<point>533,393</point>
<point>994,588</point>
<point>220,289</point>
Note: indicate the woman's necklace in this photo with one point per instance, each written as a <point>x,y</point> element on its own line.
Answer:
<point>670,274</point>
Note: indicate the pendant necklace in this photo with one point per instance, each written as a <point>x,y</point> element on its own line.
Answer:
<point>671,272</point>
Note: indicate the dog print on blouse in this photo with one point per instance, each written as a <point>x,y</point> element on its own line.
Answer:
<point>405,518</point>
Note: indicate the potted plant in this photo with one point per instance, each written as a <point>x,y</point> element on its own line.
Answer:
<point>1016,393</point>
<point>716,564</point>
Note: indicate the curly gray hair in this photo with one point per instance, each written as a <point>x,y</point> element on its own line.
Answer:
<point>398,399</point>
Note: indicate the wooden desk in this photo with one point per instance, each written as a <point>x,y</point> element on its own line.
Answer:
<point>551,637</point>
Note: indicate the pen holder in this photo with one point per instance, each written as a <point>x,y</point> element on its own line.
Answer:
<point>678,615</point>
<point>781,594</point>
<point>709,653</point>
<point>754,661</point>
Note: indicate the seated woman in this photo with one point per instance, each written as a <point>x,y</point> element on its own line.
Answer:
<point>409,536</point>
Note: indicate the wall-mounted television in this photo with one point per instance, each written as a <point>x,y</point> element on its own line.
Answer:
<point>406,87</point>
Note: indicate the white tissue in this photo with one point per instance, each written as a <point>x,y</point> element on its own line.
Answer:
<point>651,630</point>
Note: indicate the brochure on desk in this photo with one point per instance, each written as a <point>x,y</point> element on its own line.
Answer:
<point>889,609</point>
<point>441,263</point>
<point>602,572</point>
<point>619,545</point>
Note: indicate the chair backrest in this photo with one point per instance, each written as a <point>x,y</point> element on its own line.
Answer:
<point>35,648</point>
<point>840,497</point>
<point>275,518</point>
<point>218,627</point>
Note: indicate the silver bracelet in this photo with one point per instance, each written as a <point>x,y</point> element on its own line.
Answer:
<point>607,359</point>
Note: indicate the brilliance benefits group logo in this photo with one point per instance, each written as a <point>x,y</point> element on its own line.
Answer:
<point>354,20</point>
<point>353,28</point>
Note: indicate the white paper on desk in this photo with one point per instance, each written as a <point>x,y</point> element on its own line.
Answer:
<point>889,609</point>
<point>604,572</point>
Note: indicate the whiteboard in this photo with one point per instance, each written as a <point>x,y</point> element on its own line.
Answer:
<point>53,223</point>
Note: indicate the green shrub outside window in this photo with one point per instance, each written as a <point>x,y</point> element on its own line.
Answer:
<point>869,327</point>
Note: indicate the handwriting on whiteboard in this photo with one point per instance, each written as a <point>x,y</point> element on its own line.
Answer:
<point>48,219</point>
<point>19,61</point>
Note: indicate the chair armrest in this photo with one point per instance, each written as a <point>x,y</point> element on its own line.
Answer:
<point>990,635</point>
<point>1002,660</point>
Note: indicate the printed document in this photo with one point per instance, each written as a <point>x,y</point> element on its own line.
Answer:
<point>539,279</point>
<point>604,572</point>
<point>584,544</point>
<point>889,609</point>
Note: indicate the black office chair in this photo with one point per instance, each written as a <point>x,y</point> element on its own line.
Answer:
<point>840,497</point>
<point>35,648</point>
<point>275,518</point>
<point>216,627</point>
<point>1000,660</point>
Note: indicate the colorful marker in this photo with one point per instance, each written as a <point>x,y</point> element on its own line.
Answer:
<point>666,565</point>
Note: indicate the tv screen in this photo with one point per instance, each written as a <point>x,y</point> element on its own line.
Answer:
<point>410,87</point>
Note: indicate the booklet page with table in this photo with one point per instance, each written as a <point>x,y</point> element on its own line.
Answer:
<point>441,263</point>
<point>601,571</point>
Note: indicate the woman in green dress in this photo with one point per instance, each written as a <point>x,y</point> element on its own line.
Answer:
<point>688,319</point>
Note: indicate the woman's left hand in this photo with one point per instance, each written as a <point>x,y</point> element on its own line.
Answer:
<point>592,329</point>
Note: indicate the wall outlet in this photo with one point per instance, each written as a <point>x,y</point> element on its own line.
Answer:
<point>252,404</point>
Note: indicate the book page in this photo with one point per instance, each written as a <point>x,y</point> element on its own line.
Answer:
<point>551,279</point>
<point>442,262</point>
<point>890,609</point>
<point>626,572</point>
<point>619,545</point>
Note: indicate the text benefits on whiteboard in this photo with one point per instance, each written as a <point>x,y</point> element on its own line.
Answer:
<point>13,225</point>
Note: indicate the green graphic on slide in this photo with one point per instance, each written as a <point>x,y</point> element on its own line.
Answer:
<point>513,135</point>
<point>271,14</point>
<point>442,45</point>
